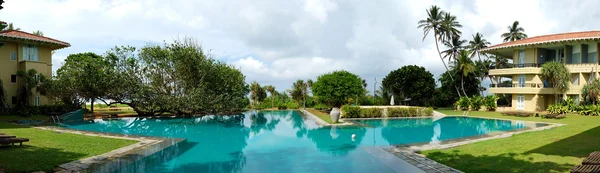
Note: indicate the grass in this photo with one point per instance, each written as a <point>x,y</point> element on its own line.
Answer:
<point>554,150</point>
<point>47,149</point>
<point>324,116</point>
<point>15,118</point>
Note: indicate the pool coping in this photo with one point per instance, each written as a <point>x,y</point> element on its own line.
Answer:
<point>145,146</point>
<point>323,122</point>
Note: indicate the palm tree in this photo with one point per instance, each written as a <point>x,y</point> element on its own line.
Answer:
<point>454,47</point>
<point>11,27</point>
<point>464,66</point>
<point>38,33</point>
<point>558,75</point>
<point>515,32</point>
<point>30,79</point>
<point>482,69</point>
<point>435,23</point>
<point>477,44</point>
<point>450,27</point>
<point>272,91</point>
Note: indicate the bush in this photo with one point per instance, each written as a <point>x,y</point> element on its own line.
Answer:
<point>592,110</point>
<point>321,107</point>
<point>518,113</point>
<point>463,103</point>
<point>413,112</point>
<point>558,109</point>
<point>397,112</point>
<point>490,102</point>
<point>476,103</point>
<point>351,111</point>
<point>44,110</point>
<point>370,113</point>
<point>292,105</point>
<point>427,111</point>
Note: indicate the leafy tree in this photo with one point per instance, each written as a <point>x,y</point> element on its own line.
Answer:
<point>558,76</point>
<point>591,91</point>
<point>442,28</point>
<point>515,32</point>
<point>272,92</point>
<point>89,74</point>
<point>412,82</point>
<point>445,97</point>
<point>465,67</point>
<point>450,26</point>
<point>257,93</point>
<point>298,89</point>
<point>30,79</point>
<point>336,88</point>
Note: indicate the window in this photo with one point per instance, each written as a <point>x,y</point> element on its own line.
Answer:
<point>521,56</point>
<point>37,77</point>
<point>575,79</point>
<point>36,100</point>
<point>520,102</point>
<point>30,53</point>
<point>13,56</point>
<point>13,100</point>
<point>13,78</point>
<point>521,81</point>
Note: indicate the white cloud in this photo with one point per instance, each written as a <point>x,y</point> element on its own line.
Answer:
<point>276,42</point>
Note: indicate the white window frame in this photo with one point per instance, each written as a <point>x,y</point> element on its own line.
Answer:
<point>521,56</point>
<point>30,53</point>
<point>520,102</point>
<point>36,101</point>
<point>521,79</point>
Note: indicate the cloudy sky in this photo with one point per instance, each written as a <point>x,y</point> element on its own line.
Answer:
<point>277,42</point>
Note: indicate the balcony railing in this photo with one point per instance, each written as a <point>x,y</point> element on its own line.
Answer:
<point>521,85</point>
<point>524,65</point>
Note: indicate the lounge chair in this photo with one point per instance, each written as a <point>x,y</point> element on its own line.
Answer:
<point>586,169</point>
<point>13,141</point>
<point>593,159</point>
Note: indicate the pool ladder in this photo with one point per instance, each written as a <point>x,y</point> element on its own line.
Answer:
<point>56,119</point>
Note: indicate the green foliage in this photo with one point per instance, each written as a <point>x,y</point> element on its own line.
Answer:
<point>446,95</point>
<point>591,110</point>
<point>558,109</point>
<point>515,32</point>
<point>336,88</point>
<point>292,105</point>
<point>351,111</point>
<point>409,112</point>
<point>370,113</point>
<point>591,91</point>
<point>321,106</point>
<point>58,109</point>
<point>557,75</point>
<point>4,109</point>
<point>490,102</point>
<point>29,81</point>
<point>257,93</point>
<point>428,111</point>
<point>518,113</point>
<point>88,73</point>
<point>397,112</point>
<point>463,103</point>
<point>476,103</point>
<point>410,81</point>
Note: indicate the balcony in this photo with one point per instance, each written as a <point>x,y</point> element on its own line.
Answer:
<point>530,88</point>
<point>535,68</point>
<point>524,65</point>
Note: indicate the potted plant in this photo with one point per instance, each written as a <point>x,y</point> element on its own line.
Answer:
<point>335,88</point>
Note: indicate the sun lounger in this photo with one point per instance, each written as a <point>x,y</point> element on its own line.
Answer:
<point>593,159</point>
<point>13,141</point>
<point>7,136</point>
<point>586,169</point>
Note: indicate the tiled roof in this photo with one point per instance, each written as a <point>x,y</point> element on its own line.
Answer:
<point>570,36</point>
<point>27,36</point>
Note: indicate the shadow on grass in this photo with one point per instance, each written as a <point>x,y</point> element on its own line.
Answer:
<point>579,145</point>
<point>30,158</point>
<point>500,163</point>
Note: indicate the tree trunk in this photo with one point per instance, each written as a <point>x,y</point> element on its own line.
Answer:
<point>445,66</point>
<point>462,84</point>
<point>92,102</point>
<point>272,102</point>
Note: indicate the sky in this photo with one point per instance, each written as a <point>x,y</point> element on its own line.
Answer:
<point>276,42</point>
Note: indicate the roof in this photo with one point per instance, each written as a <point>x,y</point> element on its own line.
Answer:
<point>553,38</point>
<point>14,34</point>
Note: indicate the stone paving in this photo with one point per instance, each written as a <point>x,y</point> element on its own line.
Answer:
<point>421,162</point>
<point>322,122</point>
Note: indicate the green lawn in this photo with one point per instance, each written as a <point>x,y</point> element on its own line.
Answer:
<point>324,116</point>
<point>15,118</point>
<point>553,150</point>
<point>48,149</point>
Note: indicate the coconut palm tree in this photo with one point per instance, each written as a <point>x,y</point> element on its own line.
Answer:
<point>38,33</point>
<point>30,79</point>
<point>464,67</point>
<point>454,46</point>
<point>450,27</point>
<point>272,91</point>
<point>10,26</point>
<point>482,70</point>
<point>558,75</point>
<point>435,23</point>
<point>515,32</point>
<point>477,44</point>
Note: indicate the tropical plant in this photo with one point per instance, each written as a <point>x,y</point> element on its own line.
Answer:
<point>257,93</point>
<point>350,111</point>
<point>477,44</point>
<point>334,89</point>
<point>515,32</point>
<point>450,26</point>
<point>38,33</point>
<point>476,103</point>
<point>490,102</point>
<point>465,67</point>
<point>437,24</point>
<point>273,92</point>
<point>4,109</point>
<point>558,75</point>
<point>412,82</point>
<point>557,109</point>
<point>298,90</point>
<point>591,91</point>
<point>463,103</point>
<point>455,44</point>
<point>9,27</point>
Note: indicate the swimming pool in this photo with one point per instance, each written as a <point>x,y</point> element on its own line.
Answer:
<point>286,141</point>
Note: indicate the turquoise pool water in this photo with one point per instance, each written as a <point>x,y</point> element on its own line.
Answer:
<point>285,141</point>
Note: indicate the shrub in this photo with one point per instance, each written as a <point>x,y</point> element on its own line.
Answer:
<point>292,105</point>
<point>558,109</point>
<point>44,110</point>
<point>397,112</point>
<point>321,106</point>
<point>490,102</point>
<point>427,111</point>
<point>463,103</point>
<point>370,113</point>
<point>592,110</point>
<point>351,111</point>
<point>518,113</point>
<point>413,112</point>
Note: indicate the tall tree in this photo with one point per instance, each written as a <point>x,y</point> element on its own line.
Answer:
<point>298,89</point>
<point>454,46</point>
<point>558,76</point>
<point>257,93</point>
<point>450,27</point>
<point>412,82</point>
<point>515,32</point>
<point>10,26</point>
<point>90,72</point>
<point>477,44</point>
<point>38,33</point>
<point>465,67</point>
<point>273,92</point>
<point>336,88</point>
<point>435,23</point>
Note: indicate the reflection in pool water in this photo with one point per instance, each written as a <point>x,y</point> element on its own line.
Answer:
<point>284,141</point>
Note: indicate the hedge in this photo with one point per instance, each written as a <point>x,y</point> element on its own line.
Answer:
<point>357,112</point>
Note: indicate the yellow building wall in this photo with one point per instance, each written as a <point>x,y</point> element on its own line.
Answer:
<point>529,55</point>
<point>8,67</point>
